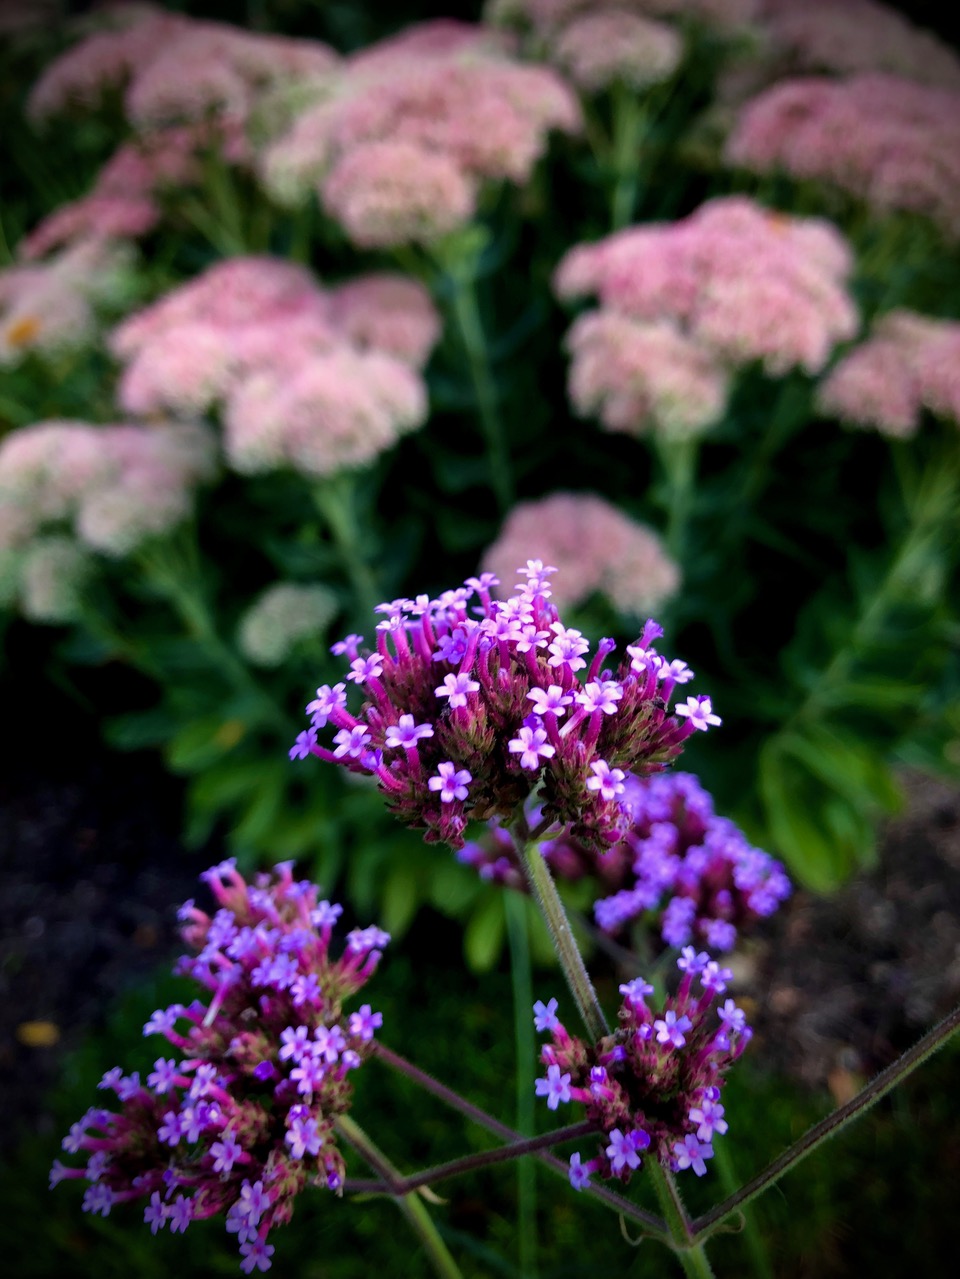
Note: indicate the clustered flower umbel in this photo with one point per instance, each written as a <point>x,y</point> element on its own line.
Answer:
<point>686,872</point>
<point>466,716</point>
<point>596,546</point>
<point>241,1118</point>
<point>891,142</point>
<point>685,304</point>
<point>908,364</point>
<point>652,1087</point>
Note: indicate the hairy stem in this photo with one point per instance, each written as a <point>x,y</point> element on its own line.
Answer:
<point>690,1254</point>
<point>554,915</point>
<point>888,1079</point>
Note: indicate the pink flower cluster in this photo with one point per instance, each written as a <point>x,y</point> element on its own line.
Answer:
<point>242,1118</point>
<point>313,378</point>
<point>464,716</point>
<point>889,141</point>
<point>909,363</point>
<point>113,486</point>
<point>595,546</point>
<point>606,45</point>
<point>397,147</point>
<point>684,303</point>
<point>52,307</point>
<point>653,1086</point>
<point>852,36</point>
<point>172,68</point>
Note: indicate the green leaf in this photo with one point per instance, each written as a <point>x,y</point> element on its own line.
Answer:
<point>400,896</point>
<point>202,742</point>
<point>483,939</point>
<point>140,729</point>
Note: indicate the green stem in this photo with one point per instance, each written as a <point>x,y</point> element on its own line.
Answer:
<point>336,500</point>
<point>411,1205</point>
<point>814,1137</point>
<point>629,122</point>
<point>753,1238</point>
<point>515,909</point>
<point>467,316</point>
<point>678,458</point>
<point>651,1224</point>
<point>689,1252</point>
<point>558,926</point>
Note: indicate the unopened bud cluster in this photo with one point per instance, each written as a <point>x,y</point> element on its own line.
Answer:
<point>471,707</point>
<point>652,1086</point>
<point>241,1118</point>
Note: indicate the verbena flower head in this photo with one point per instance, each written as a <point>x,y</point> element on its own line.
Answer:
<point>653,1086</point>
<point>451,726</point>
<point>688,874</point>
<point>883,139</point>
<point>284,614</point>
<point>909,363</point>
<point>595,546</point>
<point>237,1116</point>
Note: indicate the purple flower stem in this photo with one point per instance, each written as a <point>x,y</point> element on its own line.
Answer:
<point>554,915</point>
<point>652,1224</point>
<point>888,1079</point>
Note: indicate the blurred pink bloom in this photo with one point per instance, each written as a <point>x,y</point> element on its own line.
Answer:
<point>639,376</point>
<point>116,485</point>
<point>389,312</point>
<point>682,303</point>
<point>52,307</point>
<point>340,410</point>
<point>850,36</point>
<point>889,141</point>
<point>397,142</point>
<point>390,193</point>
<point>910,362</point>
<point>600,47</point>
<point>596,547</point>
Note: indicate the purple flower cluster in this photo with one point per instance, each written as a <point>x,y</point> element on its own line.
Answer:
<point>691,874</point>
<point>469,709</point>
<point>653,1085</point>
<point>695,869</point>
<point>241,1118</point>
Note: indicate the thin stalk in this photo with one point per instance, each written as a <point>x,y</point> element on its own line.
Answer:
<point>466,313</point>
<point>398,1184</point>
<point>336,500</point>
<point>558,926</point>
<point>515,909</point>
<point>651,1224</point>
<point>629,124</point>
<point>678,458</point>
<point>411,1205</point>
<point>690,1254</point>
<point>814,1137</point>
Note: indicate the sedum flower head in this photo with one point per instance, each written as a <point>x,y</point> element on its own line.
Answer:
<point>597,49</point>
<point>285,613</point>
<point>653,1086</point>
<point>888,141</point>
<point>596,548</point>
<point>451,727</point>
<point>909,363</point>
<point>51,579</point>
<point>239,1118</point>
